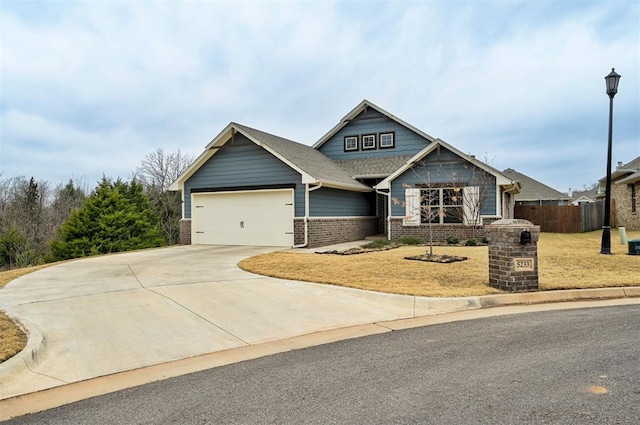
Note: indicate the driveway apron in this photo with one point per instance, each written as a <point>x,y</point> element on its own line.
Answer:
<point>103,315</point>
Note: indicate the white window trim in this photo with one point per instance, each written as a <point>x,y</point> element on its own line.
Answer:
<point>441,205</point>
<point>347,138</point>
<point>393,140</point>
<point>364,139</point>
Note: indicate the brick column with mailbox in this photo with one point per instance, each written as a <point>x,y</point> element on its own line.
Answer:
<point>513,255</point>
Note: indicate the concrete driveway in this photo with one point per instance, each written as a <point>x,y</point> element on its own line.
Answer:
<point>108,314</point>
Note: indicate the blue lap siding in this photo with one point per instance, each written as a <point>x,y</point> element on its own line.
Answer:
<point>327,202</point>
<point>407,142</point>
<point>244,165</point>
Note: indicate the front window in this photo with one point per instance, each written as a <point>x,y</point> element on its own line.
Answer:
<point>633,198</point>
<point>441,205</point>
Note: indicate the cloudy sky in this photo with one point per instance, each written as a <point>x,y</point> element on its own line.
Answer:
<point>89,88</point>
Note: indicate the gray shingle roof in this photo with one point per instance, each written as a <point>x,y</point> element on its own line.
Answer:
<point>533,190</point>
<point>589,193</point>
<point>372,167</point>
<point>310,160</point>
<point>622,173</point>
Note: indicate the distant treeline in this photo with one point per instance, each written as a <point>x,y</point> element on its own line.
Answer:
<point>41,223</point>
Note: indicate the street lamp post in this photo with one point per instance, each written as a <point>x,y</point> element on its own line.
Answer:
<point>612,88</point>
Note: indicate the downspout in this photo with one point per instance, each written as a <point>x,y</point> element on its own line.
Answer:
<point>306,213</point>
<point>388,217</point>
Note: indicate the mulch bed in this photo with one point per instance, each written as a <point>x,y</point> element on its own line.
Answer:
<point>437,258</point>
<point>358,250</point>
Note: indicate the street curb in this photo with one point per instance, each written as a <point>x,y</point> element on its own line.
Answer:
<point>424,308</point>
<point>31,354</point>
<point>564,295</point>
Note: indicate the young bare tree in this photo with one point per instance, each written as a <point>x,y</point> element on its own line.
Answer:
<point>457,196</point>
<point>156,172</point>
<point>422,208</point>
<point>474,184</point>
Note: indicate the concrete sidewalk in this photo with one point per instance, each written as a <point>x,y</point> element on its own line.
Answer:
<point>104,315</point>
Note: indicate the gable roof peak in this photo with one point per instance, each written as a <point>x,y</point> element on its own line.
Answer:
<point>356,111</point>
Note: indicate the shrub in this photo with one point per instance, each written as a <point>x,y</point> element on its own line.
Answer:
<point>485,240</point>
<point>378,243</point>
<point>452,240</point>
<point>470,242</point>
<point>15,250</point>
<point>410,240</point>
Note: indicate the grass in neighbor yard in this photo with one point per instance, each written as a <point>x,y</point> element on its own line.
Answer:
<point>12,338</point>
<point>566,261</point>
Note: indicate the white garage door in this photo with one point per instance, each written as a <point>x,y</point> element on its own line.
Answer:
<point>259,218</point>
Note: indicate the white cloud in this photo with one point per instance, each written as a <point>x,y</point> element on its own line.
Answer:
<point>111,81</point>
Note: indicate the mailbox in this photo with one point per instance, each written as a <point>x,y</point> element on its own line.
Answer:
<point>525,237</point>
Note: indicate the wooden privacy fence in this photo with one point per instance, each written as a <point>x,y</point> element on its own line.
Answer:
<point>563,219</point>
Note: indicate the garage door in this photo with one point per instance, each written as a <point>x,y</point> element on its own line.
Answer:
<point>259,218</point>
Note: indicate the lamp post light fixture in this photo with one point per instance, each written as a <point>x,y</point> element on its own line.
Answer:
<point>612,88</point>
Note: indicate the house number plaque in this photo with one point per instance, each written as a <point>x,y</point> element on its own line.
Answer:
<point>523,264</point>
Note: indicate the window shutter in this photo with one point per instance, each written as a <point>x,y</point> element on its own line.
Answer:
<point>471,205</point>
<point>412,207</point>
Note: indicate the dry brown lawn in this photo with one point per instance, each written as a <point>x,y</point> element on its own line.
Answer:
<point>12,338</point>
<point>566,261</point>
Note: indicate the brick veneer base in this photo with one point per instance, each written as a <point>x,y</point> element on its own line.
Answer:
<point>328,231</point>
<point>440,231</point>
<point>504,247</point>
<point>185,231</point>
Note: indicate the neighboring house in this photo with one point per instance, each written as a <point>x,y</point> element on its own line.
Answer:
<point>532,192</point>
<point>581,197</point>
<point>371,174</point>
<point>625,189</point>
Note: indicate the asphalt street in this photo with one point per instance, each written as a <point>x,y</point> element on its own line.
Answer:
<point>561,367</point>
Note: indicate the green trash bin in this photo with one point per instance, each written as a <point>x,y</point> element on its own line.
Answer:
<point>634,247</point>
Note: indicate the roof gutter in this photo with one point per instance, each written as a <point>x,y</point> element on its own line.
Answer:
<point>513,188</point>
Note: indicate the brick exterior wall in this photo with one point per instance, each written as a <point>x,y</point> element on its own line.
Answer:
<point>622,216</point>
<point>440,231</point>
<point>504,248</point>
<point>185,231</point>
<point>329,231</point>
<point>298,231</point>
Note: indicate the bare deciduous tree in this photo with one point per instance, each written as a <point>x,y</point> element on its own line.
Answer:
<point>457,197</point>
<point>156,172</point>
<point>30,215</point>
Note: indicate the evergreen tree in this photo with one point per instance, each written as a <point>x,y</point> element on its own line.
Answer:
<point>116,217</point>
